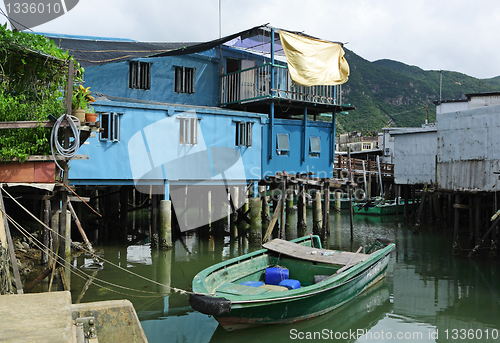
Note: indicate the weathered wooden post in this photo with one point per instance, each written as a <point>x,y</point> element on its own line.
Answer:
<point>122,233</point>
<point>283,197</point>
<point>349,188</point>
<point>289,211</point>
<point>326,216</point>
<point>46,232</point>
<point>255,221</point>
<point>266,213</point>
<point>456,224</point>
<point>406,204</point>
<point>234,198</point>
<point>397,190</point>
<point>301,211</point>
<point>317,213</point>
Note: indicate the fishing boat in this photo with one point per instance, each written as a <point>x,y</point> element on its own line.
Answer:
<point>379,207</point>
<point>286,282</point>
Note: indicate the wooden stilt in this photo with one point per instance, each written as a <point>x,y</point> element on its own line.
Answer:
<point>420,210</point>
<point>283,196</point>
<point>46,232</point>
<point>301,212</point>
<point>406,206</point>
<point>349,189</point>
<point>326,211</point>
<point>122,230</point>
<point>396,191</point>
<point>456,225</point>
<point>289,211</point>
<point>478,218</point>
<point>266,217</point>
<point>277,211</point>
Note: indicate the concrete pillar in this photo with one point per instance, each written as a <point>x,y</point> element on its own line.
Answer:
<point>317,214</point>
<point>255,221</point>
<point>165,227</point>
<point>338,203</point>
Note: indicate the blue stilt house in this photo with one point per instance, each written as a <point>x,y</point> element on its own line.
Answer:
<point>217,113</point>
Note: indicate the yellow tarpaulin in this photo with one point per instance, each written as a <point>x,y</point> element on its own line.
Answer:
<point>314,62</point>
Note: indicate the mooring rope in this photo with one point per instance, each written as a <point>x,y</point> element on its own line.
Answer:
<point>82,274</point>
<point>174,289</point>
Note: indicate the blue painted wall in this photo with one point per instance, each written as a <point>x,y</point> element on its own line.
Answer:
<point>292,162</point>
<point>148,147</point>
<point>149,133</point>
<point>113,79</point>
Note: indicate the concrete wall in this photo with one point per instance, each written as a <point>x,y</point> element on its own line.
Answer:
<point>469,150</point>
<point>415,157</point>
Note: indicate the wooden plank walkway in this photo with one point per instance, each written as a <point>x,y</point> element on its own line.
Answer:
<point>314,254</point>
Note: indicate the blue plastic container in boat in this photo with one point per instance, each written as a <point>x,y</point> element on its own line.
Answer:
<point>252,283</point>
<point>290,283</point>
<point>275,275</point>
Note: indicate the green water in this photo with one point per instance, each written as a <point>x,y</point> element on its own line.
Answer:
<point>428,295</point>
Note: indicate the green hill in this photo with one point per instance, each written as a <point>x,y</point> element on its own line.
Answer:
<point>390,93</point>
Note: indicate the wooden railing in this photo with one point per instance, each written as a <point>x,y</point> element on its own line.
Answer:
<point>254,84</point>
<point>371,167</point>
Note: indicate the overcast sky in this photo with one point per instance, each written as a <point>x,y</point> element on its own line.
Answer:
<point>456,35</point>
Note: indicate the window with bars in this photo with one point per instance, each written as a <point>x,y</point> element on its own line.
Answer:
<point>188,131</point>
<point>139,75</point>
<point>110,124</point>
<point>184,80</point>
<point>243,133</point>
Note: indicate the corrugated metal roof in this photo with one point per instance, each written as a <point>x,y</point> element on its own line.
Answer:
<point>409,130</point>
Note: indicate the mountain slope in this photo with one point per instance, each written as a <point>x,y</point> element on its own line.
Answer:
<point>391,93</point>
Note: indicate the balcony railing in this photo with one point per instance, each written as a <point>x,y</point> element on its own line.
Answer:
<point>254,84</point>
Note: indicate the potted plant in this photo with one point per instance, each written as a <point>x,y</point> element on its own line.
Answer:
<point>90,115</point>
<point>81,98</point>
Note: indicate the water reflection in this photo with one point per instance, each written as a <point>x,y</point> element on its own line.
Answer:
<point>426,292</point>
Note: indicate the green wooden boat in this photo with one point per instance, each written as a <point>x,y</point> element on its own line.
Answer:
<point>328,279</point>
<point>381,208</point>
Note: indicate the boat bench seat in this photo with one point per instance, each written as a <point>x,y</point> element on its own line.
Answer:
<point>236,289</point>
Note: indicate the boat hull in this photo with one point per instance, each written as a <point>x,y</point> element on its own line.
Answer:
<point>293,309</point>
<point>379,210</point>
